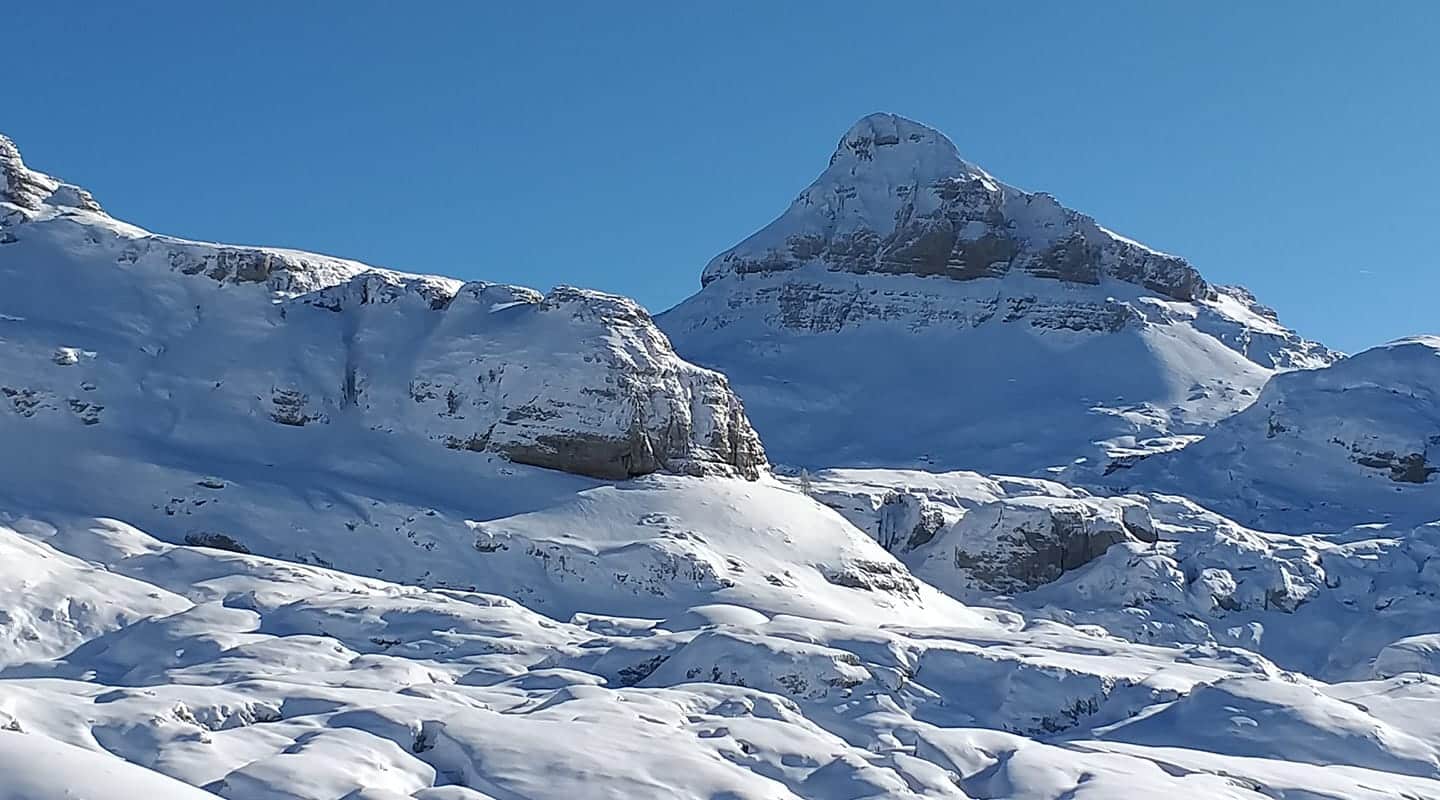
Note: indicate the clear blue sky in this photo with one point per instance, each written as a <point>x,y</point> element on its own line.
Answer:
<point>1288,146</point>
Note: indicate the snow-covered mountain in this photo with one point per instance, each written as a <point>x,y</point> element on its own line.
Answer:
<point>910,309</point>
<point>1322,449</point>
<point>252,678</point>
<point>280,525</point>
<point>112,331</point>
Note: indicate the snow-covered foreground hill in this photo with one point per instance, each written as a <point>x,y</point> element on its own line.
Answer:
<point>253,678</point>
<point>279,525</point>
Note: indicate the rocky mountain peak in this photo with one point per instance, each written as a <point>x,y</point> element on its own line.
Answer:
<point>981,325</point>
<point>881,138</point>
<point>19,184</point>
<point>897,198</point>
<point>28,189</point>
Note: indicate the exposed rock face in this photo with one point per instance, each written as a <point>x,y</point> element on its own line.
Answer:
<point>910,310</point>
<point>897,198</point>
<point>614,403</point>
<point>1323,449</point>
<point>575,380</point>
<point>906,521</point>
<point>971,533</point>
<point>27,189</point>
<point>1019,544</point>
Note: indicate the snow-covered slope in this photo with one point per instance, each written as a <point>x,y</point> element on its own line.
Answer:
<point>909,309</point>
<point>1356,442</point>
<point>123,333</point>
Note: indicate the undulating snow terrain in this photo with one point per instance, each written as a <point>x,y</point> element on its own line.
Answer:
<point>275,524</point>
<point>255,678</point>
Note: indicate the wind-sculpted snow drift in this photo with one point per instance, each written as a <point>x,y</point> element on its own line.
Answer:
<point>908,309</point>
<point>279,525</point>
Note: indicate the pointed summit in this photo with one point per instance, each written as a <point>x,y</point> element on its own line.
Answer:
<point>28,189</point>
<point>19,184</point>
<point>896,198</point>
<point>884,150</point>
<point>884,135</point>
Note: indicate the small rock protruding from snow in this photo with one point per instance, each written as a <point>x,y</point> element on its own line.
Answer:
<point>1018,544</point>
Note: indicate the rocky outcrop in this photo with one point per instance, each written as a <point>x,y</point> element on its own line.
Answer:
<point>1019,544</point>
<point>27,189</point>
<point>599,392</point>
<point>212,335</point>
<point>1406,468</point>
<point>610,400</point>
<point>906,521</point>
<point>970,533</point>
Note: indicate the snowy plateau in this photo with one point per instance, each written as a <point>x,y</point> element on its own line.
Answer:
<point>1039,513</point>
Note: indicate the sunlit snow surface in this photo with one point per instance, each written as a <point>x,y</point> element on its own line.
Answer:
<point>316,592</point>
<point>255,678</point>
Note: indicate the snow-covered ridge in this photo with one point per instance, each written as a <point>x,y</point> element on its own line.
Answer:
<point>30,197</point>
<point>112,326</point>
<point>1322,449</point>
